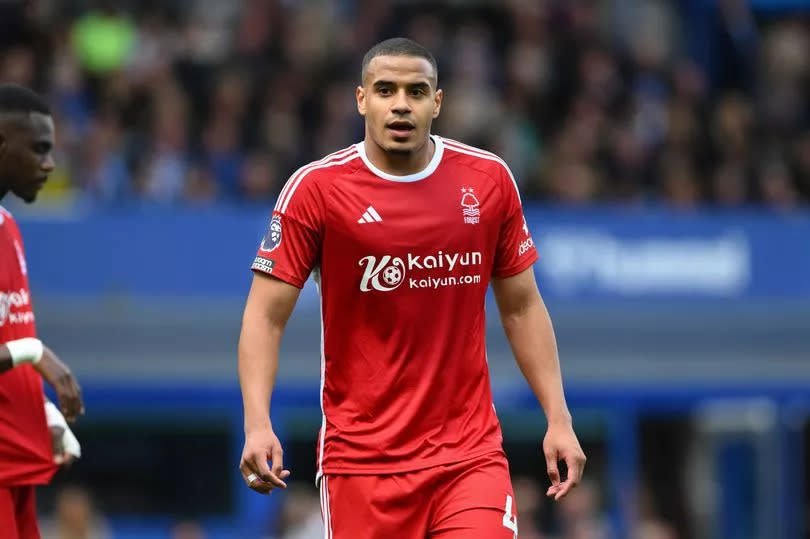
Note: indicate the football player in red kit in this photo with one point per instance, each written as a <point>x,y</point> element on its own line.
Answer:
<point>34,438</point>
<point>404,232</point>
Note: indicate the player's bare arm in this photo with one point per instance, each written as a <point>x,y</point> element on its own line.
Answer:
<point>528,327</point>
<point>60,377</point>
<point>269,305</point>
<point>52,369</point>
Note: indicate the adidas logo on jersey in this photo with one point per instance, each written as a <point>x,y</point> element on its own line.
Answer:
<point>370,216</point>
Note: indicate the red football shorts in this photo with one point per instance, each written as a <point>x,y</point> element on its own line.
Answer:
<point>472,499</point>
<point>18,513</point>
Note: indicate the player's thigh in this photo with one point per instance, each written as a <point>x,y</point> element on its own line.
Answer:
<point>372,507</point>
<point>477,501</point>
<point>26,510</point>
<point>483,523</point>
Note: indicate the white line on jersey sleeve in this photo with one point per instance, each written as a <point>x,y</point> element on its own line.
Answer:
<point>319,474</point>
<point>283,207</point>
<point>477,152</point>
<point>285,191</point>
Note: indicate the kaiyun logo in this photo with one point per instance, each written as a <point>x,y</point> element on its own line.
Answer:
<point>390,269</point>
<point>388,273</point>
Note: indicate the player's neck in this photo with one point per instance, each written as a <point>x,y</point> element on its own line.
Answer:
<point>400,164</point>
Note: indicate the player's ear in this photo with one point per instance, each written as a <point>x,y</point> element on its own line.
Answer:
<point>437,103</point>
<point>360,94</point>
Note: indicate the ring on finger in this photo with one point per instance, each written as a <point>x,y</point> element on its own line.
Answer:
<point>251,478</point>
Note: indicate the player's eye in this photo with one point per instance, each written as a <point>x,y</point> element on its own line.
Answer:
<point>41,148</point>
<point>384,91</point>
<point>417,92</point>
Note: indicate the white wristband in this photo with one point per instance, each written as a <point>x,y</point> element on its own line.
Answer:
<point>71,444</point>
<point>54,418</point>
<point>27,350</point>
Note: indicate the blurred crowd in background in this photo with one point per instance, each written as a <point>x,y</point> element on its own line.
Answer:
<point>578,516</point>
<point>202,101</point>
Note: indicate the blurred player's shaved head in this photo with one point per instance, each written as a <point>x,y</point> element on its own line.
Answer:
<point>26,141</point>
<point>399,46</point>
<point>17,103</point>
<point>21,100</point>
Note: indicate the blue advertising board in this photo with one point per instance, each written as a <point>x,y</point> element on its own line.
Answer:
<point>654,255</point>
<point>589,254</point>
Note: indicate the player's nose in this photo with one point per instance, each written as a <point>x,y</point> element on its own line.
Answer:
<point>47,164</point>
<point>400,103</point>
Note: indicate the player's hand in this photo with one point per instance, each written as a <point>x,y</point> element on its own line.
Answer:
<point>60,455</point>
<point>262,446</point>
<point>559,444</point>
<point>58,375</point>
<point>66,447</point>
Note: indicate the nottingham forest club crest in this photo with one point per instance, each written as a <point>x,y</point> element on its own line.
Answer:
<point>469,206</point>
<point>272,238</point>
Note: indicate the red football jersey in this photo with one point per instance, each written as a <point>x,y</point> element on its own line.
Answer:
<point>26,455</point>
<point>403,264</point>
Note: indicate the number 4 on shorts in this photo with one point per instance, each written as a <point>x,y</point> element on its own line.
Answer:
<point>510,520</point>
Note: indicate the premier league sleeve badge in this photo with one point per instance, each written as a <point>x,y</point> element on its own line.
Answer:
<point>272,238</point>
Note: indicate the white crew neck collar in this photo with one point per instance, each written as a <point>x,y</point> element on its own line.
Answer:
<point>416,176</point>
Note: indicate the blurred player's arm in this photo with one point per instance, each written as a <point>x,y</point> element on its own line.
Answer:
<point>6,362</point>
<point>66,447</point>
<point>528,327</point>
<point>52,369</point>
<point>20,351</point>
<point>269,305</point>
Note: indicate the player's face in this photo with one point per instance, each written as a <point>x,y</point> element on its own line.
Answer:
<point>26,157</point>
<point>399,100</point>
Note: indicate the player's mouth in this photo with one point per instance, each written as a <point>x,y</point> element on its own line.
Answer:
<point>400,128</point>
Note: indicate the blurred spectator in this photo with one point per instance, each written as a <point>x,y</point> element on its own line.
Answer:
<point>730,185</point>
<point>732,127</point>
<point>679,181</point>
<point>649,525</point>
<point>528,499</point>
<point>301,516</point>
<point>105,175</point>
<point>776,185</point>
<point>187,529</point>
<point>201,187</point>
<point>75,517</point>
<point>572,182</point>
<point>259,177</point>
<point>580,516</point>
<point>163,167</point>
<point>18,66</point>
<point>587,100</point>
<point>801,159</point>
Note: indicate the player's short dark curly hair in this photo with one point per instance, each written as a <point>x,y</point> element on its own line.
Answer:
<point>399,46</point>
<point>16,98</point>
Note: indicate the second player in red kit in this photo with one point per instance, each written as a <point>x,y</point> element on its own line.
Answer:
<point>34,437</point>
<point>404,232</point>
